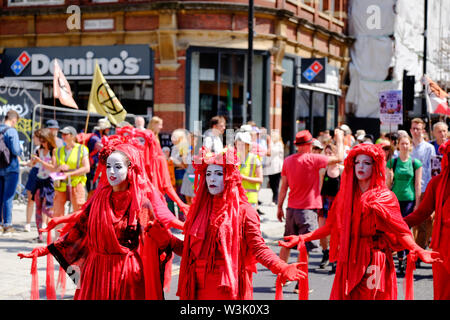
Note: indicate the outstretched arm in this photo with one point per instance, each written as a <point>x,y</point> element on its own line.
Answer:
<point>264,254</point>
<point>70,218</point>
<point>426,256</point>
<point>170,191</point>
<point>37,252</point>
<point>163,237</point>
<point>293,240</point>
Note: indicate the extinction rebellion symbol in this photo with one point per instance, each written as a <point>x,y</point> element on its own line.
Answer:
<point>109,101</point>
<point>21,62</point>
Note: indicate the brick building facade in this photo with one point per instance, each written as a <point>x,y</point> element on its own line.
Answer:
<point>199,55</point>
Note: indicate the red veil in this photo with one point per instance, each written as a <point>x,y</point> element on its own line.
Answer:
<point>342,208</point>
<point>345,213</point>
<point>222,220</point>
<point>444,149</point>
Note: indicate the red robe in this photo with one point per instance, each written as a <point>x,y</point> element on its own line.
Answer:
<point>207,281</point>
<point>428,205</point>
<point>102,252</point>
<point>368,273</point>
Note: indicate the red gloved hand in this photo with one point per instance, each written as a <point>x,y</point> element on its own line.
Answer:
<point>428,256</point>
<point>424,255</point>
<point>38,252</point>
<point>291,241</point>
<point>291,272</point>
<point>158,233</point>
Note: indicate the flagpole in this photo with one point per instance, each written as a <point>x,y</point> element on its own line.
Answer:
<point>54,98</point>
<point>86,127</point>
<point>54,104</point>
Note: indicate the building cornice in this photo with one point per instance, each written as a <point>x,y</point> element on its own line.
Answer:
<point>177,6</point>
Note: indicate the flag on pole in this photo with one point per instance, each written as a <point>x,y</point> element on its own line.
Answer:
<point>436,97</point>
<point>102,99</point>
<point>61,88</point>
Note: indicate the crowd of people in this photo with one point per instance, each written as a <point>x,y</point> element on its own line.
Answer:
<point>384,188</point>
<point>362,197</point>
<point>120,241</point>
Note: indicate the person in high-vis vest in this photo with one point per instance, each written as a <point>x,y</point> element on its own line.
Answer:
<point>72,160</point>
<point>250,168</point>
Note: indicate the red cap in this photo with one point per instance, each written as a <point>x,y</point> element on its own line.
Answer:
<point>303,137</point>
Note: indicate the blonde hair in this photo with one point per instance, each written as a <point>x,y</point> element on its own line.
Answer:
<point>154,120</point>
<point>180,136</point>
<point>276,136</point>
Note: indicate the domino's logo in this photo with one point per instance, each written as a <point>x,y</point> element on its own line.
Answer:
<point>21,62</point>
<point>313,70</point>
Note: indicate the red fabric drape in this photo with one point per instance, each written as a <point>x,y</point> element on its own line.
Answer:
<point>221,218</point>
<point>365,227</point>
<point>34,280</point>
<point>303,284</point>
<point>50,279</point>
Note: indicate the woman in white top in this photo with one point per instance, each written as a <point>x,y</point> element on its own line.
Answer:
<point>44,191</point>
<point>178,155</point>
<point>274,163</point>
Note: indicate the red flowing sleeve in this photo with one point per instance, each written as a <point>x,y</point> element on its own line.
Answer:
<point>70,250</point>
<point>255,242</point>
<point>389,220</point>
<point>160,209</point>
<point>426,206</point>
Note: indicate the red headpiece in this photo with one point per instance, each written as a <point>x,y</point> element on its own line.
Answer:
<point>137,177</point>
<point>154,157</point>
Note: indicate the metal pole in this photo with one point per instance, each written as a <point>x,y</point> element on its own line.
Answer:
<point>425,27</point>
<point>250,58</point>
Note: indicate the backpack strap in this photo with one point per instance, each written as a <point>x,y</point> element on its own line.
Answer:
<point>413,161</point>
<point>4,130</point>
<point>394,164</point>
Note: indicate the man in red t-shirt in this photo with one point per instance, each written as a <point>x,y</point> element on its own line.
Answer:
<point>300,174</point>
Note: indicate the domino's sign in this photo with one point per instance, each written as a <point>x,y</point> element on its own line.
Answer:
<point>313,70</point>
<point>78,63</point>
<point>21,62</point>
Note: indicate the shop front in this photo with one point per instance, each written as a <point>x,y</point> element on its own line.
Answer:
<point>216,84</point>
<point>313,107</point>
<point>128,69</point>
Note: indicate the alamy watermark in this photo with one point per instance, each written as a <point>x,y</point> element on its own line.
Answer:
<point>73,22</point>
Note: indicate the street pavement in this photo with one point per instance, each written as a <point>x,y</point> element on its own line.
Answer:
<point>15,277</point>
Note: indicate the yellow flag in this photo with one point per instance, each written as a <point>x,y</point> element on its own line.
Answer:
<point>102,99</point>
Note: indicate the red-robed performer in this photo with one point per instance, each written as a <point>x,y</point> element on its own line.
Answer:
<point>222,237</point>
<point>158,172</point>
<point>155,164</point>
<point>365,224</point>
<point>437,199</point>
<point>103,246</point>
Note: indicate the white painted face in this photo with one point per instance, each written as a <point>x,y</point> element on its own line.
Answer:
<point>214,179</point>
<point>116,169</point>
<point>363,167</point>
